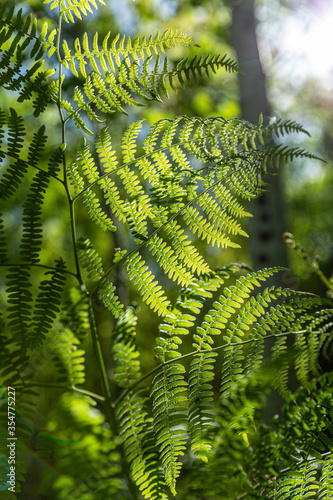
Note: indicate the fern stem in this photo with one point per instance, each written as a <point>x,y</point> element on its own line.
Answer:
<point>192,353</point>
<point>64,387</point>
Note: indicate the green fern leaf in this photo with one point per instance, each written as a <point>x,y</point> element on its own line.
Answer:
<point>136,431</point>
<point>151,292</point>
<point>71,8</point>
<point>47,303</point>
<point>170,417</point>
<point>69,359</point>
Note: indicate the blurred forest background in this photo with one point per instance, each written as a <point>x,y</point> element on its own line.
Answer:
<point>284,49</point>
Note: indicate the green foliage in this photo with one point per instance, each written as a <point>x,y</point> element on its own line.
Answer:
<point>155,194</point>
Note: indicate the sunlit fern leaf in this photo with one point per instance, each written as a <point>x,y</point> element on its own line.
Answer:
<point>150,291</point>
<point>140,450</point>
<point>135,426</point>
<point>113,52</point>
<point>69,358</point>
<point>187,307</point>
<point>95,211</point>
<point>75,116</point>
<point>170,419</point>
<point>74,8</point>
<point>234,299</point>
<point>168,260</point>
<point>125,350</point>
<point>300,484</point>
<point>183,314</point>
<point>198,224</point>
<point>114,91</point>
<point>186,252</point>
<point>90,259</point>
<point>201,397</point>
<point>279,128</point>
<point>106,293</point>
<point>325,491</point>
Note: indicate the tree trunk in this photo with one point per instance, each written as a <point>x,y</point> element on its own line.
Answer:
<point>266,244</point>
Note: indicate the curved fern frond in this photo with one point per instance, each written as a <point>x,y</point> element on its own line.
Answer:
<point>112,92</point>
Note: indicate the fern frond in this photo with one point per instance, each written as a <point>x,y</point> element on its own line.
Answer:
<point>168,260</point>
<point>136,431</point>
<point>112,92</point>
<point>117,50</point>
<point>151,292</point>
<point>214,235</point>
<point>32,225</point>
<point>20,33</point>
<point>20,300</point>
<point>201,396</point>
<point>47,305</point>
<point>125,351</point>
<point>325,491</point>
<point>186,252</point>
<point>106,293</point>
<point>74,8</point>
<point>69,359</point>
<point>170,417</point>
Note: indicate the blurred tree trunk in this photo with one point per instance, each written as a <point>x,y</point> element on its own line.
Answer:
<point>266,244</point>
<point>267,247</point>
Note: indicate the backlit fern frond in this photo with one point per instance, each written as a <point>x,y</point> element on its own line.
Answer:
<point>140,450</point>
<point>111,92</point>
<point>74,8</point>
<point>114,51</point>
<point>135,425</point>
<point>170,419</point>
<point>150,291</point>
<point>206,198</point>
